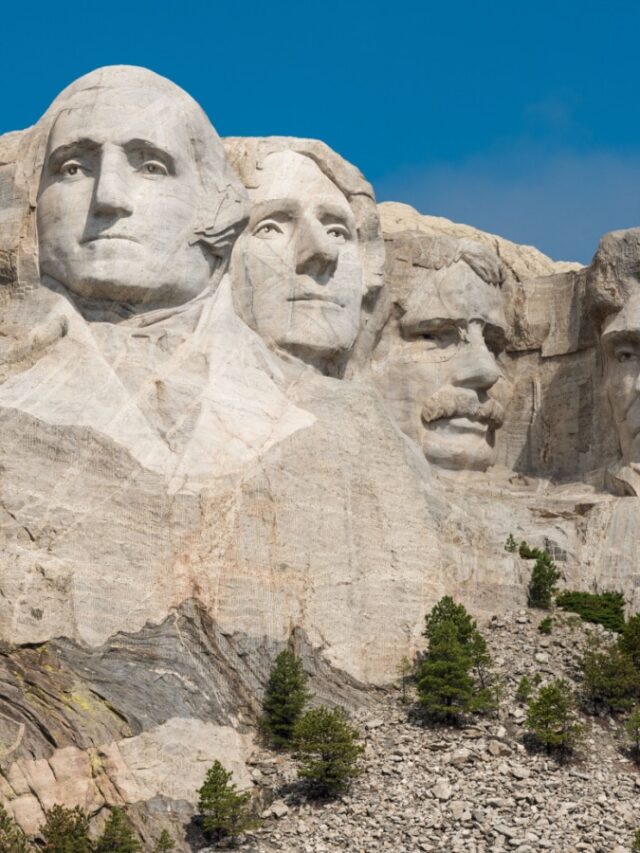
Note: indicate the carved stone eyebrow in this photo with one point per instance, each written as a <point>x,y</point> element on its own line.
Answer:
<point>70,148</point>
<point>336,212</point>
<point>153,149</point>
<point>273,207</point>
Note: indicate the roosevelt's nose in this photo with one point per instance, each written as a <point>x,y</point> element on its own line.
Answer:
<point>316,251</point>
<point>475,366</point>
<point>112,193</point>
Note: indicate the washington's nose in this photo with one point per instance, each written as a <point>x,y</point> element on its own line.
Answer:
<point>316,253</point>
<point>476,367</point>
<point>111,194</point>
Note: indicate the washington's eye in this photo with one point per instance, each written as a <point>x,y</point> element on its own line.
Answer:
<point>154,167</point>
<point>70,169</point>
<point>267,229</point>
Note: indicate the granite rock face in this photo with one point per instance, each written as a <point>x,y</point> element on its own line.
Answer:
<point>244,408</point>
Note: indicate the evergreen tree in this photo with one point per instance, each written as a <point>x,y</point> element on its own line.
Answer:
<point>225,811</point>
<point>12,838</point>
<point>629,640</point>
<point>633,730</point>
<point>118,835</point>
<point>636,842</point>
<point>445,686</point>
<point>552,718</point>
<point>164,843</point>
<point>327,750</point>
<point>446,610</point>
<point>543,583</point>
<point>610,680</point>
<point>405,669</point>
<point>66,831</point>
<point>511,545</point>
<point>285,697</point>
<point>524,689</point>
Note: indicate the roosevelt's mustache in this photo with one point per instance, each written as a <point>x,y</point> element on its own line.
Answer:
<point>460,403</point>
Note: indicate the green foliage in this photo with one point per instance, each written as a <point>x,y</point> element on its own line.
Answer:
<point>632,726</point>
<point>405,671</point>
<point>552,719</point>
<point>636,841</point>
<point>225,811</point>
<point>606,608</point>
<point>524,689</point>
<point>610,680</point>
<point>118,835</point>
<point>285,697</point>
<point>544,576</point>
<point>12,838</point>
<point>164,843</point>
<point>629,640</point>
<point>446,610</point>
<point>66,831</point>
<point>546,625</point>
<point>445,686</point>
<point>327,749</point>
<point>457,652</point>
<point>511,544</point>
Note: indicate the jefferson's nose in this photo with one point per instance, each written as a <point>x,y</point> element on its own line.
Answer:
<point>475,367</point>
<point>316,252</point>
<point>111,194</point>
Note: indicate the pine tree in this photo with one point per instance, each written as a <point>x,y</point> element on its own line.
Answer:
<point>543,583</point>
<point>446,610</point>
<point>610,680</point>
<point>225,811</point>
<point>118,835</point>
<point>285,697</point>
<point>524,689</point>
<point>12,838</point>
<point>445,685</point>
<point>164,843</point>
<point>552,718</point>
<point>327,750</point>
<point>66,831</point>
<point>633,730</point>
<point>629,640</point>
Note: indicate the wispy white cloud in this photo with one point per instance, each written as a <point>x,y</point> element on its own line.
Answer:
<point>561,201</point>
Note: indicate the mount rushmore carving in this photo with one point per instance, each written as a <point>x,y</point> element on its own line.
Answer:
<point>243,407</point>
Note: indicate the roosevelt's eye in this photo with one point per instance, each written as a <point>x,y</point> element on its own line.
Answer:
<point>154,168</point>
<point>625,355</point>
<point>339,232</point>
<point>267,229</point>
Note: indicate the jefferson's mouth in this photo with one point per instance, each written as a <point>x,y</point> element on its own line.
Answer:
<point>316,297</point>
<point>109,237</point>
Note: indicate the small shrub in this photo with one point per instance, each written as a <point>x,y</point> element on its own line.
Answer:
<point>164,843</point>
<point>118,835</point>
<point>284,699</point>
<point>66,830</point>
<point>12,838</point>
<point>636,841</point>
<point>606,608</point>
<point>524,689</point>
<point>327,750</point>
<point>546,625</point>
<point>629,640</point>
<point>511,544</point>
<point>405,671</point>
<point>225,812</point>
<point>552,719</point>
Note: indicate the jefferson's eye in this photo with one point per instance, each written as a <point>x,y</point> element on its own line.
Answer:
<point>154,167</point>
<point>267,229</point>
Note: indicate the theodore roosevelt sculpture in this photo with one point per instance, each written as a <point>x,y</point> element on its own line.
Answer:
<point>311,252</point>
<point>437,360</point>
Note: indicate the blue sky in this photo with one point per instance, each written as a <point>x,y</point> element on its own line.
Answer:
<point>519,118</point>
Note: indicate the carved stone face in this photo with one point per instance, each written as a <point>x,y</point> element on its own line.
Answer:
<point>437,364</point>
<point>296,270</point>
<point>115,210</point>
<point>621,344</point>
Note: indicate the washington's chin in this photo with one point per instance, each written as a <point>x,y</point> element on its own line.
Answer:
<point>459,444</point>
